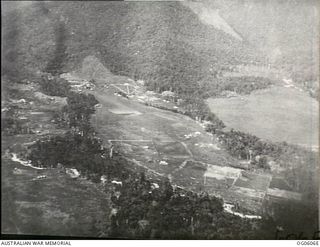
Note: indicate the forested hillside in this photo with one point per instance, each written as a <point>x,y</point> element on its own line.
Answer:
<point>163,43</point>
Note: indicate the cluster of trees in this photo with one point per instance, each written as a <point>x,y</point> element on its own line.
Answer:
<point>78,110</point>
<point>11,124</point>
<point>239,85</point>
<point>246,146</point>
<point>79,148</point>
<point>196,108</point>
<point>243,145</point>
<point>162,212</point>
<point>54,85</point>
<point>73,150</point>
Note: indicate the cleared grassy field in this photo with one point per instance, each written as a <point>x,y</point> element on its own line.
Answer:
<point>253,181</point>
<point>277,114</point>
<point>161,128</point>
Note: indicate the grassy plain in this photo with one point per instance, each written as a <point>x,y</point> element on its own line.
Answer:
<point>277,114</point>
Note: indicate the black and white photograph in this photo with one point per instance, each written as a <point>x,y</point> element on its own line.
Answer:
<point>160,120</point>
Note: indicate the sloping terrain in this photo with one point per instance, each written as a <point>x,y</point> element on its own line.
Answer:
<point>163,43</point>
<point>285,32</point>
